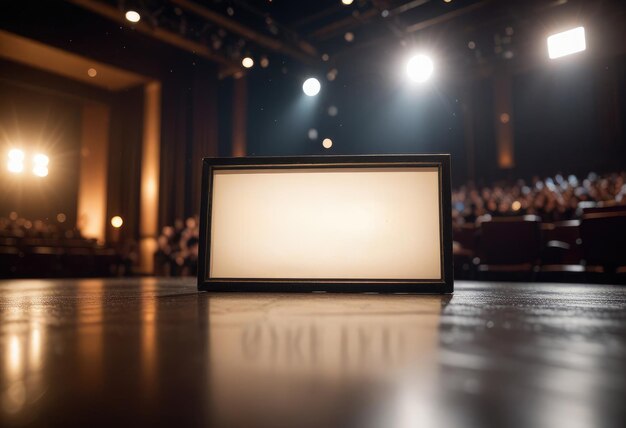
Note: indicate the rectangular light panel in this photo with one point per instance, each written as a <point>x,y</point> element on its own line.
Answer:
<point>327,223</point>
<point>566,43</point>
<point>366,223</point>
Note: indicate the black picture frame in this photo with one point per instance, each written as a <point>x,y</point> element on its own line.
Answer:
<point>444,285</point>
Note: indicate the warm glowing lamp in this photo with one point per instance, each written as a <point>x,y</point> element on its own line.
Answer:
<point>133,16</point>
<point>40,171</point>
<point>15,163</point>
<point>40,165</point>
<point>117,221</point>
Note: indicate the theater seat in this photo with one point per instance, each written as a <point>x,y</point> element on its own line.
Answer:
<point>562,243</point>
<point>78,262</point>
<point>464,251</point>
<point>43,261</point>
<point>10,259</point>
<point>603,236</point>
<point>509,248</point>
<point>562,254</point>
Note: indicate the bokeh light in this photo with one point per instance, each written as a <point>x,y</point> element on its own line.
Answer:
<point>133,16</point>
<point>117,221</point>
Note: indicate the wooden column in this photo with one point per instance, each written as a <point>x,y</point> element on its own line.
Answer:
<point>92,184</point>
<point>239,148</point>
<point>149,187</point>
<point>503,110</point>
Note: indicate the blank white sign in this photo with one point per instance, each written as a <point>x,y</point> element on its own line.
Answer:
<point>326,223</point>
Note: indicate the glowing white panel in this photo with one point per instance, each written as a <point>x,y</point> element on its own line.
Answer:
<point>566,43</point>
<point>326,223</point>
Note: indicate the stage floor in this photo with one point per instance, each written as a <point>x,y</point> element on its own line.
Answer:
<point>155,352</point>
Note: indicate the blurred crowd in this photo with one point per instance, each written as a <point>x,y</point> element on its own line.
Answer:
<point>553,198</point>
<point>177,252</point>
<point>15,226</point>
<point>60,240</point>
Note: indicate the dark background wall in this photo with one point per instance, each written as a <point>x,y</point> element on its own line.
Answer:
<point>570,118</point>
<point>566,117</point>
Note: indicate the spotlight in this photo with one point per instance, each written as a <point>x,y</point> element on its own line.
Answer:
<point>311,86</point>
<point>16,161</point>
<point>327,143</point>
<point>40,165</point>
<point>92,72</point>
<point>41,159</point>
<point>566,43</point>
<point>133,16</point>
<point>247,62</point>
<point>347,2</point>
<point>117,221</point>
<point>40,171</point>
<point>420,68</point>
<point>265,62</point>
<point>15,154</point>
<point>15,167</point>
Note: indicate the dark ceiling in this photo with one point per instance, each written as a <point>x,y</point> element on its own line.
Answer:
<point>474,35</point>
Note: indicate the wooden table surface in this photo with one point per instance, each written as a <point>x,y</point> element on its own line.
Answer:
<point>142,352</point>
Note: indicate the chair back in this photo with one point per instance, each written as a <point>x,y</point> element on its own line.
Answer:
<point>510,240</point>
<point>465,235</point>
<point>604,238</point>
<point>568,233</point>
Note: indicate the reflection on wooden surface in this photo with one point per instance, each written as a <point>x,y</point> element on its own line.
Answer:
<point>296,356</point>
<point>146,352</point>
